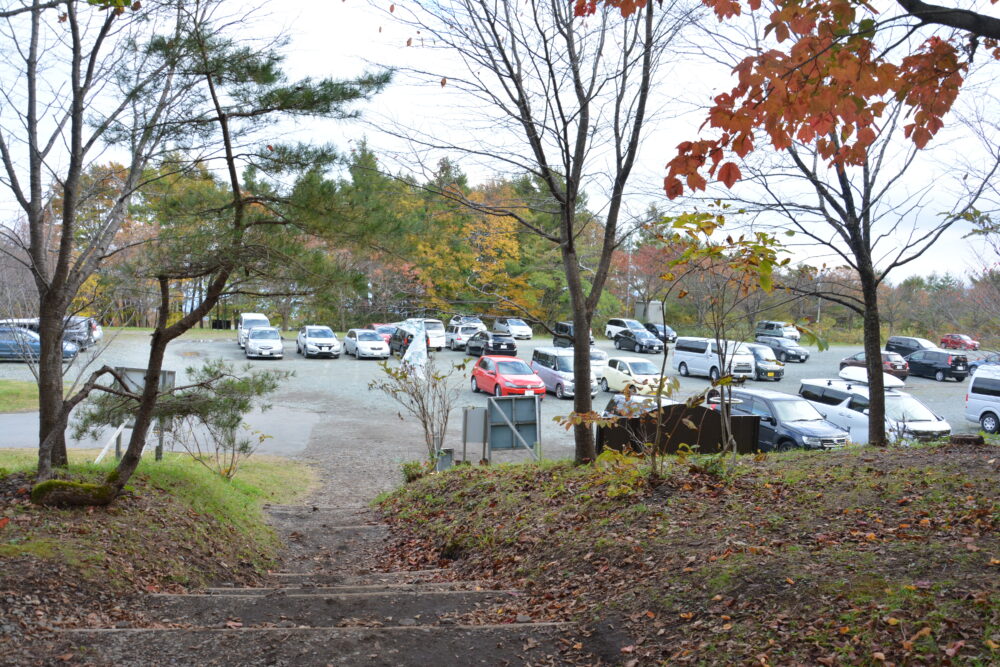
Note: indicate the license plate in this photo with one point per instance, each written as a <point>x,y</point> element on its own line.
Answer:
<point>960,367</point>
<point>266,353</point>
<point>770,374</point>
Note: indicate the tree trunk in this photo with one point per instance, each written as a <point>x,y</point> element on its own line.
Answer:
<point>50,386</point>
<point>873,359</point>
<point>583,404</point>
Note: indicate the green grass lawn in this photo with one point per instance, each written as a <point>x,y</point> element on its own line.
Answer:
<point>18,396</point>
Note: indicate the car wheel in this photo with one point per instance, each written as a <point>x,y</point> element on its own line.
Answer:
<point>475,386</point>
<point>618,344</point>
<point>989,422</point>
<point>559,392</point>
<point>604,385</point>
<point>782,357</point>
<point>683,369</point>
<point>336,356</point>
<point>784,446</point>
<point>939,376</point>
<point>497,391</point>
<point>713,374</point>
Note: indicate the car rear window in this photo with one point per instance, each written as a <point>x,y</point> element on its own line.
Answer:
<point>986,387</point>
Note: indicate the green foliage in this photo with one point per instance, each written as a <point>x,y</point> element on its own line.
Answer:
<point>67,492</point>
<point>414,470</point>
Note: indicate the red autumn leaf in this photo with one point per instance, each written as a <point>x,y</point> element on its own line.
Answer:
<point>3,522</point>
<point>729,173</point>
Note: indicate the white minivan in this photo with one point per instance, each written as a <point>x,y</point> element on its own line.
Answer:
<point>247,322</point>
<point>435,334</point>
<point>700,356</point>
<point>982,402</point>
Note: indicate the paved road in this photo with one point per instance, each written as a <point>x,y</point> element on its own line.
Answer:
<point>308,404</point>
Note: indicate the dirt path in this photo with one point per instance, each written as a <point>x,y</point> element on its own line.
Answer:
<point>330,603</point>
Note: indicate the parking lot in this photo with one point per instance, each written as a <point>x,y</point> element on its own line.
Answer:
<point>325,392</point>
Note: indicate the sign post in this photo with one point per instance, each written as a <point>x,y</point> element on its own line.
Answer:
<point>135,381</point>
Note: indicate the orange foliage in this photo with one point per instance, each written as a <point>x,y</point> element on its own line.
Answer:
<point>828,85</point>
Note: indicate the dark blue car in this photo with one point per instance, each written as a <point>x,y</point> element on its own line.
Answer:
<point>17,344</point>
<point>787,421</point>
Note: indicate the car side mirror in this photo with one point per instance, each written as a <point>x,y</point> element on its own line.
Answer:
<point>865,411</point>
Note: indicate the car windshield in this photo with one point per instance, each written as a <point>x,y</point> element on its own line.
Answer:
<point>564,364</point>
<point>923,342</point>
<point>963,337</point>
<point>634,325</point>
<point>515,323</point>
<point>763,353</point>
<point>320,332</point>
<point>904,408</point>
<point>796,411</point>
<point>643,367</point>
<point>598,355</point>
<point>250,324</point>
<point>644,335</point>
<point>368,335</point>
<point>385,329</point>
<point>515,367</point>
<point>264,334</point>
<point>433,325</point>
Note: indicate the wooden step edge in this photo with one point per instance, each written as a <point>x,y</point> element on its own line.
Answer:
<point>393,573</point>
<point>264,590</point>
<point>382,593</point>
<point>349,628</point>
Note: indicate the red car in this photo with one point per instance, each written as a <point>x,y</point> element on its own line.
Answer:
<point>505,376</point>
<point>892,363</point>
<point>383,330</point>
<point>959,342</point>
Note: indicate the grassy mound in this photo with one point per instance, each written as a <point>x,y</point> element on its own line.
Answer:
<point>856,557</point>
<point>178,526</point>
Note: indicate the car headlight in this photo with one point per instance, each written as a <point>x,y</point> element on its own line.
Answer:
<point>812,442</point>
<point>509,385</point>
<point>311,346</point>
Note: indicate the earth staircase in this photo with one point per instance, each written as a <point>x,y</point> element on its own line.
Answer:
<point>329,606</point>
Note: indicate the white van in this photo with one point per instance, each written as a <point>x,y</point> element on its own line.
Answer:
<point>700,356</point>
<point>435,334</point>
<point>247,322</point>
<point>982,402</point>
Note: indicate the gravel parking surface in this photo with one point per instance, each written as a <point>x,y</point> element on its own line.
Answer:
<point>326,412</point>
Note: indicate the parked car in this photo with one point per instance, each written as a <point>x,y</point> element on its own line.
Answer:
<point>959,342</point>
<point>490,342</point>
<point>982,401</point>
<point>777,329</point>
<point>638,341</point>
<point>457,320</point>
<point>505,376</point>
<point>383,330</point>
<point>633,406</point>
<point>765,365</point>
<point>247,322</point>
<point>617,325</point>
<point>907,345</point>
<point>81,331</point>
<point>661,331</point>
<point>20,344</point>
<point>516,328</point>
<point>264,342</point>
<point>787,421</point>
<point>845,403</point>
<point>457,335</point>
<point>555,366</point>
<point>317,341</point>
<point>641,375</point>
<point>892,363</point>
<point>939,364</point>
<point>563,334</point>
<point>989,359</point>
<point>365,343</point>
<point>700,356</point>
<point>435,334</point>
<point>598,362</point>
<point>785,349</point>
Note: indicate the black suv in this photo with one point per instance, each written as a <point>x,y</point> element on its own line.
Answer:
<point>563,335</point>
<point>787,421</point>
<point>939,364</point>
<point>661,331</point>
<point>785,349</point>
<point>907,345</point>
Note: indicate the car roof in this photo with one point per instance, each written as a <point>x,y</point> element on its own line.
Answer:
<point>845,385</point>
<point>502,357</point>
<point>987,369</point>
<point>558,351</point>
<point>628,360</point>
<point>766,393</point>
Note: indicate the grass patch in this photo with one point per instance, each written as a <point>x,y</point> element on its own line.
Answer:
<point>178,523</point>
<point>860,556</point>
<point>18,396</point>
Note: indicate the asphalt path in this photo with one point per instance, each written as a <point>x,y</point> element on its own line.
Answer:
<point>322,392</point>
